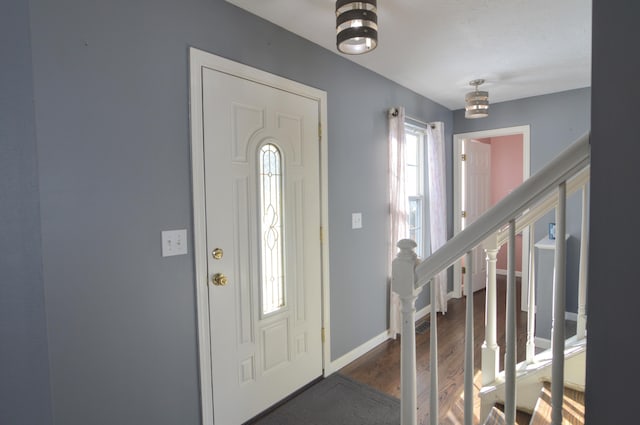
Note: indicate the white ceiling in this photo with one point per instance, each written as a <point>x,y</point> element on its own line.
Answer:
<point>521,48</point>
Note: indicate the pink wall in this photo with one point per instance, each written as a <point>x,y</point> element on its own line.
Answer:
<point>506,175</point>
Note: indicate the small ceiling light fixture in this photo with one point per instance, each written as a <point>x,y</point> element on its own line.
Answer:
<point>356,26</point>
<point>477,102</point>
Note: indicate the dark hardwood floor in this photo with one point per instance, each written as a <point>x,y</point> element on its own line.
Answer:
<point>380,368</point>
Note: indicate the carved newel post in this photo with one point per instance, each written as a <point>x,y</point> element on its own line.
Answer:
<point>403,283</point>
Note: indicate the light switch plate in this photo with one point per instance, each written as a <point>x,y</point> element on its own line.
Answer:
<point>356,221</point>
<point>174,242</point>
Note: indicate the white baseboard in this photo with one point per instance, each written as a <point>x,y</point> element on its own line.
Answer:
<point>543,343</point>
<point>425,311</point>
<point>503,272</point>
<point>354,354</point>
<point>571,316</point>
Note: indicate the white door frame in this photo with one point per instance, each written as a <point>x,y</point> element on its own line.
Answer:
<point>199,59</point>
<point>457,192</point>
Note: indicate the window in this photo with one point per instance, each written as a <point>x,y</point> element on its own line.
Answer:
<point>414,186</point>
<point>272,291</point>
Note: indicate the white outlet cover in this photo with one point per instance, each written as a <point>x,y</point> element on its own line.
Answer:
<point>174,242</point>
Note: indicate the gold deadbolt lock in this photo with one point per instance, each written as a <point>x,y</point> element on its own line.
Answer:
<point>217,253</point>
<point>219,279</point>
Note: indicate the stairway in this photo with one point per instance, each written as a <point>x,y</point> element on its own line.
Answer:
<point>572,412</point>
<point>496,416</point>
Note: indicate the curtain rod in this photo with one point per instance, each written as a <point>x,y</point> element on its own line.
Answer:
<point>394,112</point>
<point>406,117</point>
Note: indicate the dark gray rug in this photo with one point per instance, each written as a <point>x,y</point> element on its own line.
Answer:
<point>336,400</point>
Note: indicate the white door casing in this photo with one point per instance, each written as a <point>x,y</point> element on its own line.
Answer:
<point>458,140</point>
<point>251,360</point>
<point>476,200</point>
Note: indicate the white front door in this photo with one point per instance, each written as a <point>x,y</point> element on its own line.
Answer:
<point>476,200</point>
<point>262,199</point>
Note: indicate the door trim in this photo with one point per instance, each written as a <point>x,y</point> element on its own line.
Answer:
<point>525,130</point>
<point>199,59</point>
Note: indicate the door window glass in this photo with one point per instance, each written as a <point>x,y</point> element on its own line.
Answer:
<point>271,230</point>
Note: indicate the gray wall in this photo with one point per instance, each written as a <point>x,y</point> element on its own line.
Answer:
<point>24,367</point>
<point>613,349</point>
<point>111,107</point>
<point>556,120</point>
<point>545,259</point>
<point>110,85</point>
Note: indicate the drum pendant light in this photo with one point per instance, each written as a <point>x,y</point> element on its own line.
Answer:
<point>356,26</point>
<point>477,102</point>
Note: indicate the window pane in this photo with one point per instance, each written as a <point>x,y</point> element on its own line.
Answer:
<point>270,182</point>
<point>414,185</point>
<point>415,222</point>
<point>411,148</point>
<point>411,180</point>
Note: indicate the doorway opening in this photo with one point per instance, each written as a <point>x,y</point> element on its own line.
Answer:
<point>488,165</point>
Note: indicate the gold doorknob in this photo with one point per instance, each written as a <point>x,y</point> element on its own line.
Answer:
<point>219,279</point>
<point>217,253</point>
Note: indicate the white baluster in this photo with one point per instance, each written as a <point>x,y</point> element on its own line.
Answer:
<point>531,317</point>
<point>403,274</point>
<point>510,332</point>
<point>468,343</point>
<point>557,324</point>
<point>490,348</point>
<point>582,279</point>
<point>433,358</point>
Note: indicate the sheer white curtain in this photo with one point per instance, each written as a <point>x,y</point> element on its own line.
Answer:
<point>437,204</point>
<point>399,228</point>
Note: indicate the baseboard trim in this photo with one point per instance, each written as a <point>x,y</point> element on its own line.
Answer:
<point>543,343</point>
<point>425,311</point>
<point>354,354</point>
<point>571,316</point>
<point>503,272</point>
<point>359,351</point>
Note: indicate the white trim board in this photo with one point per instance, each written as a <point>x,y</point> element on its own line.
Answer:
<point>543,343</point>
<point>503,272</point>
<point>426,310</point>
<point>356,353</point>
<point>198,60</point>
<point>363,349</point>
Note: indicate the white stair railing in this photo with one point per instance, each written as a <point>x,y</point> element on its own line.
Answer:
<point>468,347</point>
<point>531,298</point>
<point>581,327</point>
<point>510,354</point>
<point>409,277</point>
<point>527,220</point>
<point>403,269</point>
<point>490,349</point>
<point>557,325</point>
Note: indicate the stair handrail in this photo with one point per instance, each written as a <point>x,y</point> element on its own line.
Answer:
<point>536,212</point>
<point>409,276</point>
<point>568,163</point>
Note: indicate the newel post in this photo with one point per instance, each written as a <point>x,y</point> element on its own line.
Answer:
<point>403,283</point>
<point>490,348</point>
